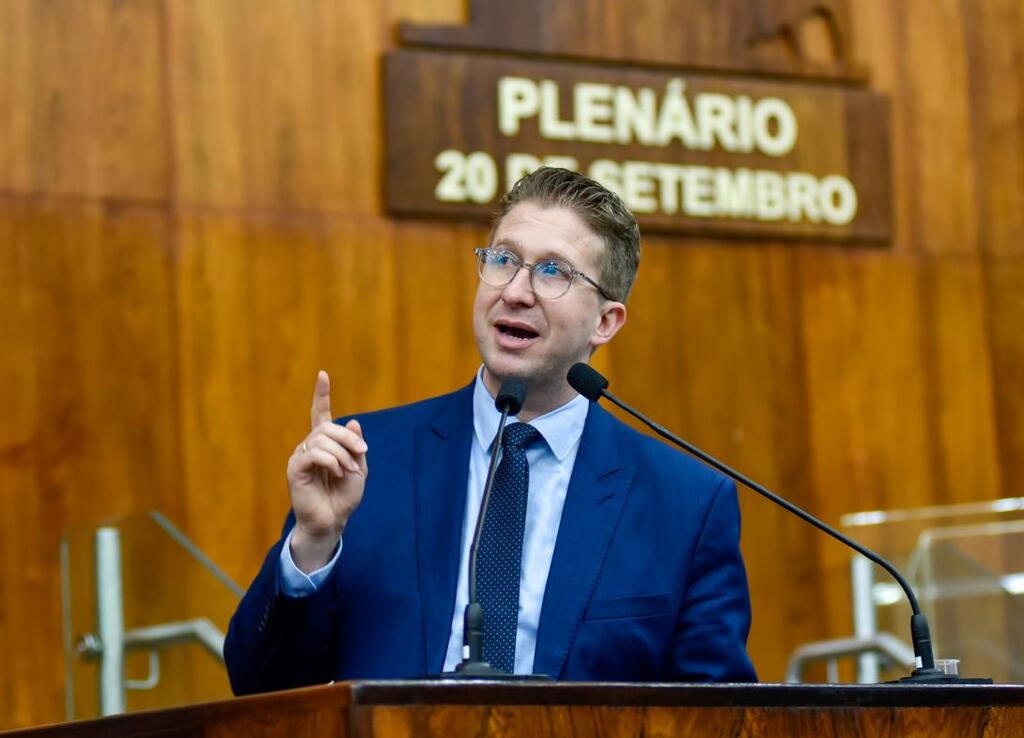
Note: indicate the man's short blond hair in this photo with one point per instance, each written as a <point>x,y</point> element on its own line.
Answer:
<point>600,208</point>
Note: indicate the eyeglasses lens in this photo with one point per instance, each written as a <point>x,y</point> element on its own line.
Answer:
<point>549,279</point>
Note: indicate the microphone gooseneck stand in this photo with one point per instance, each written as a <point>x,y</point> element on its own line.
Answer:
<point>591,384</point>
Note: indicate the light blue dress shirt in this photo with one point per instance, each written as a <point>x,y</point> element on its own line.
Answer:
<point>551,465</point>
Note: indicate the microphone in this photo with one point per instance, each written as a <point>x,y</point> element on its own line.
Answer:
<point>591,384</point>
<point>586,380</point>
<point>511,397</point>
<point>509,401</point>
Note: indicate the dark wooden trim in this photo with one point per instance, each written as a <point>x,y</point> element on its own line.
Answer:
<point>689,695</point>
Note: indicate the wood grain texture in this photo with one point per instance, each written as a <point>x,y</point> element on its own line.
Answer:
<point>995,50</point>
<point>273,103</point>
<point>429,708</point>
<point>308,712</point>
<point>89,428</point>
<point>407,709</point>
<point>82,95</point>
<point>782,37</point>
<point>192,224</point>
<point>1004,280</point>
<point>551,722</point>
<point>936,91</point>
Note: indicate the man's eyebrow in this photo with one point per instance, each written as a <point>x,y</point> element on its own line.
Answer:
<point>511,243</point>
<point>507,242</point>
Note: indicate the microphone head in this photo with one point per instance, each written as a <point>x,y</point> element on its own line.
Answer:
<point>586,380</point>
<point>512,395</point>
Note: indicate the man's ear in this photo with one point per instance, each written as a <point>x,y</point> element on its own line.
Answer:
<point>612,318</point>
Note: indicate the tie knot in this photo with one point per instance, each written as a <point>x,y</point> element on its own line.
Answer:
<point>519,435</point>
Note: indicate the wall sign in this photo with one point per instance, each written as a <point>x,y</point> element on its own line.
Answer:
<point>689,152</point>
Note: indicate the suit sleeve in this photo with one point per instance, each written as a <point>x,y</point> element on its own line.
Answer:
<point>711,635</point>
<point>279,642</point>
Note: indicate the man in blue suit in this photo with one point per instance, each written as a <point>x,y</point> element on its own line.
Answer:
<point>630,567</point>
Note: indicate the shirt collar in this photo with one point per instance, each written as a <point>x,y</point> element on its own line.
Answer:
<point>561,428</point>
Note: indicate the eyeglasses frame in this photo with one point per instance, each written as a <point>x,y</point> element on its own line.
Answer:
<point>482,250</point>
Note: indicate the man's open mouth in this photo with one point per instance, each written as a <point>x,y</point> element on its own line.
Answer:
<point>522,334</point>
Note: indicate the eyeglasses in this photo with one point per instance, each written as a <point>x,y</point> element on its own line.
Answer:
<point>549,279</point>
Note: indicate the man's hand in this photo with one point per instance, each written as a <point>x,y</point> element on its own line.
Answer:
<point>326,476</point>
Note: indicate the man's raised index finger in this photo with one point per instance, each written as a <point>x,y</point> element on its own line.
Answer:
<point>321,410</point>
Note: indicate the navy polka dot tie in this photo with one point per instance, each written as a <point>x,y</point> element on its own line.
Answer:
<point>501,547</point>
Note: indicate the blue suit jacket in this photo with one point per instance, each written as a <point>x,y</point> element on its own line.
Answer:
<point>646,581</point>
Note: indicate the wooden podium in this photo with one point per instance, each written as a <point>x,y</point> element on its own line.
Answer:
<point>429,709</point>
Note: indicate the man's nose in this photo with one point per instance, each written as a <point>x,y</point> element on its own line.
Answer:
<point>519,290</point>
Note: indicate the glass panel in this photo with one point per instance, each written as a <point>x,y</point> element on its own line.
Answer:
<point>966,563</point>
<point>166,581</point>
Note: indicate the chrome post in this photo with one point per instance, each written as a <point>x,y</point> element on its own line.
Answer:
<point>865,616</point>
<point>110,620</point>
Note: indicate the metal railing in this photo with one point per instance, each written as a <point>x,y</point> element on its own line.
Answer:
<point>111,642</point>
<point>884,646</point>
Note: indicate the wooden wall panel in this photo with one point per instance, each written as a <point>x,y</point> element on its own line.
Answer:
<point>191,226</point>
<point>361,298</point>
<point>867,437</point>
<point>19,438</point>
<point>995,47</point>
<point>82,98</point>
<point>97,296</point>
<point>934,98</point>
<point>274,103</point>
<point>1005,302</point>
<point>89,428</point>
<point>961,406</point>
<point>436,281</point>
<point>862,338</point>
<point>219,381</point>
<point>447,12</point>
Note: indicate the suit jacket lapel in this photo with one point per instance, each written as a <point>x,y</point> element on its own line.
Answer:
<point>440,478</point>
<point>597,492</point>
